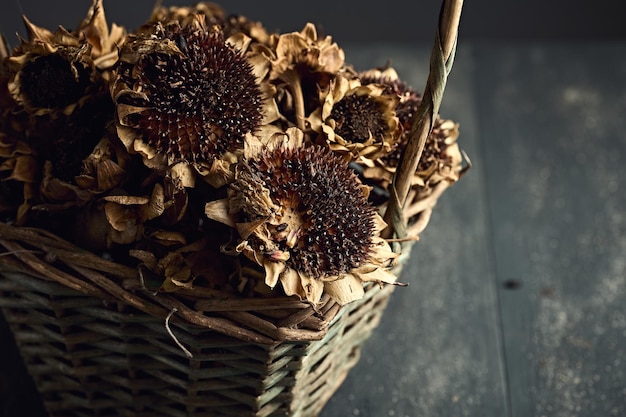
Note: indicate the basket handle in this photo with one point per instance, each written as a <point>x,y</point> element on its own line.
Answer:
<point>441,60</point>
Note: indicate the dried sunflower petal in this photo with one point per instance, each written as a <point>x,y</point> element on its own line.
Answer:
<point>441,159</point>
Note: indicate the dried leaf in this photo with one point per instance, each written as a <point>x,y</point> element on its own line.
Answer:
<point>313,288</point>
<point>25,169</point>
<point>184,173</point>
<point>120,217</point>
<point>156,206</point>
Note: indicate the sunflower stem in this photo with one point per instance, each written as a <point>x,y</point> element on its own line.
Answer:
<point>295,84</point>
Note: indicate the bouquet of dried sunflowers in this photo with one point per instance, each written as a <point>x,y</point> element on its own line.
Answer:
<point>203,171</point>
<point>200,146</point>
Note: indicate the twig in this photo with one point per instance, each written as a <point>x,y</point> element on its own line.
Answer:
<point>187,353</point>
<point>19,251</point>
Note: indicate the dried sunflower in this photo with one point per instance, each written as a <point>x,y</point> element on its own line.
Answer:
<point>185,96</point>
<point>53,72</point>
<point>441,158</point>
<point>304,63</point>
<point>73,144</point>
<point>408,99</point>
<point>303,52</point>
<point>59,105</point>
<point>214,15</point>
<point>303,215</point>
<point>357,120</point>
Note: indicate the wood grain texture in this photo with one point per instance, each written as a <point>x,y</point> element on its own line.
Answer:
<point>552,121</point>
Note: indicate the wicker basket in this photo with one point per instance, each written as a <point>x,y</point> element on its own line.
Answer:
<point>94,353</point>
<point>98,343</point>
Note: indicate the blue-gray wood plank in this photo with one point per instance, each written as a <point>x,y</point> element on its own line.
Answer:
<point>517,298</point>
<point>552,120</point>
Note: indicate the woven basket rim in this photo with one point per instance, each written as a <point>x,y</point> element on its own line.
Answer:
<point>44,255</point>
<point>39,254</point>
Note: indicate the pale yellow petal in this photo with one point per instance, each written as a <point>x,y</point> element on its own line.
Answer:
<point>295,137</point>
<point>239,41</point>
<point>246,229</point>
<point>156,205</point>
<point>309,32</point>
<point>273,270</point>
<point>145,257</point>
<point>184,172</point>
<point>218,210</point>
<point>313,288</point>
<point>378,275</point>
<point>151,158</point>
<point>126,200</point>
<point>344,290</point>
<point>382,253</point>
<point>291,283</point>
<point>379,224</point>
<point>253,145</point>
<point>127,135</point>
<point>166,237</point>
<point>119,217</point>
<point>36,33</point>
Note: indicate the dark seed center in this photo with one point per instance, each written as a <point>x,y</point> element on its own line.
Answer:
<point>336,221</point>
<point>357,117</point>
<point>49,82</point>
<point>201,103</point>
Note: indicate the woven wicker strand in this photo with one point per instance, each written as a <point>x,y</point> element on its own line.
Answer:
<point>98,343</point>
<point>94,357</point>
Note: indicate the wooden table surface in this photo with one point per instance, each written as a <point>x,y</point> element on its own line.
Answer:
<point>517,299</point>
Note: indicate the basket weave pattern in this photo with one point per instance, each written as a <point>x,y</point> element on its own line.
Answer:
<point>100,355</point>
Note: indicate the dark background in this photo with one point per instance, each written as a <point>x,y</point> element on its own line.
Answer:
<point>366,21</point>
